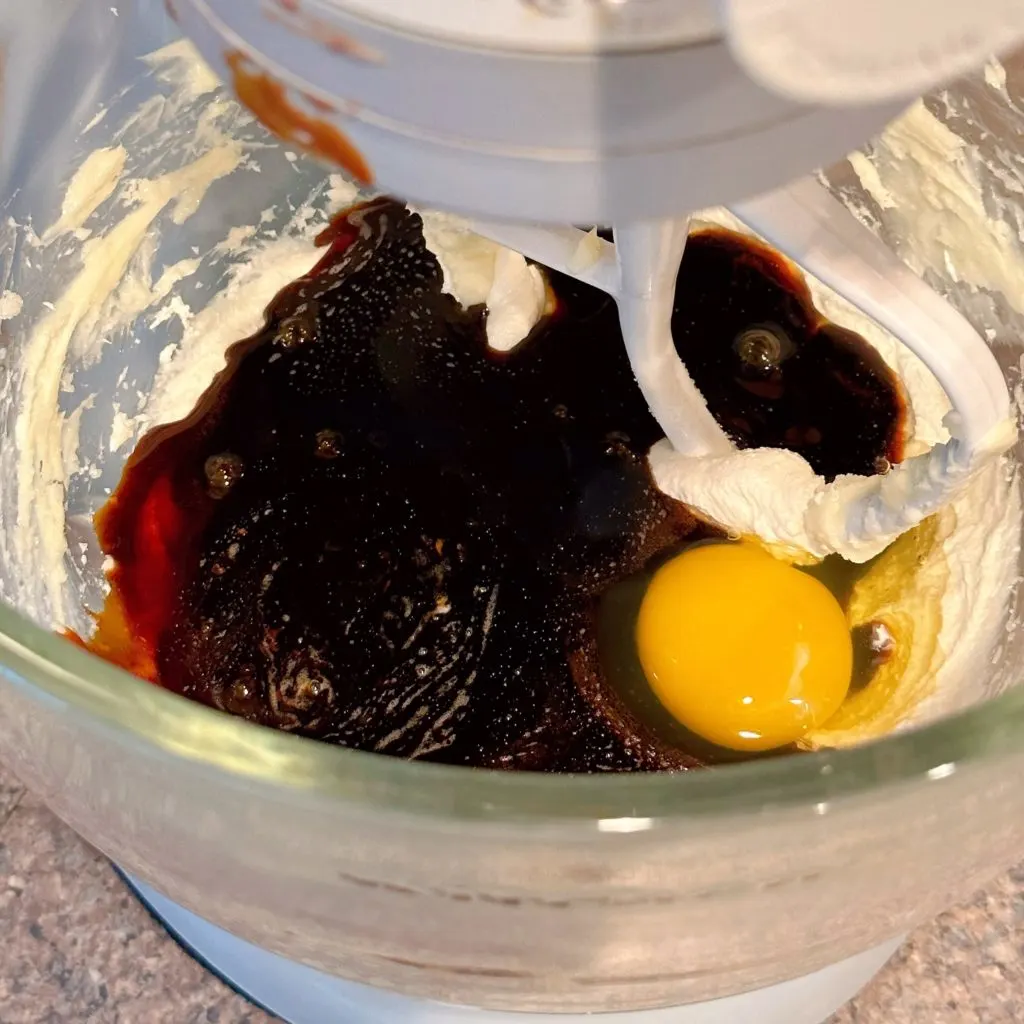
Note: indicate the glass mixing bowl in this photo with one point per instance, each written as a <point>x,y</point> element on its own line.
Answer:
<point>497,890</point>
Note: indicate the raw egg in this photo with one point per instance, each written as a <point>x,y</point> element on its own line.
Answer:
<point>743,649</point>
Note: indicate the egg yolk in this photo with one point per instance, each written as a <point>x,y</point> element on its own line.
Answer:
<point>743,649</point>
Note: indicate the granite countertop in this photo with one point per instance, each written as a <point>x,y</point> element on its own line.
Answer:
<point>78,947</point>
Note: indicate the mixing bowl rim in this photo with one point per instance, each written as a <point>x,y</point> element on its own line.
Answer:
<point>48,669</point>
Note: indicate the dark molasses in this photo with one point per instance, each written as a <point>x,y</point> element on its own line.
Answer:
<point>376,532</point>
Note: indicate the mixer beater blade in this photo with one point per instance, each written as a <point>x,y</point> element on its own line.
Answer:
<point>820,235</point>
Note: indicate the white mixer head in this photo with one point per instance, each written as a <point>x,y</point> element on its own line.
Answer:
<point>589,111</point>
<point>579,111</point>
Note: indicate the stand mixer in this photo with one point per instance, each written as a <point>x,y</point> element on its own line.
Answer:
<point>623,112</point>
<point>519,114</point>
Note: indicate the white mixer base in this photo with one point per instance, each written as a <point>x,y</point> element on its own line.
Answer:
<point>301,995</point>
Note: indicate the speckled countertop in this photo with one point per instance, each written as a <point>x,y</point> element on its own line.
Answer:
<point>76,947</point>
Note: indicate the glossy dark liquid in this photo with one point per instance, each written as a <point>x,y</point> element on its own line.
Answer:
<point>775,373</point>
<point>375,532</point>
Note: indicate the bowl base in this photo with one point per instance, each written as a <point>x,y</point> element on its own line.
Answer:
<point>300,995</point>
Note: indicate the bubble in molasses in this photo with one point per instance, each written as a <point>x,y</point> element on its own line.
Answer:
<point>763,347</point>
<point>328,444</point>
<point>223,471</point>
